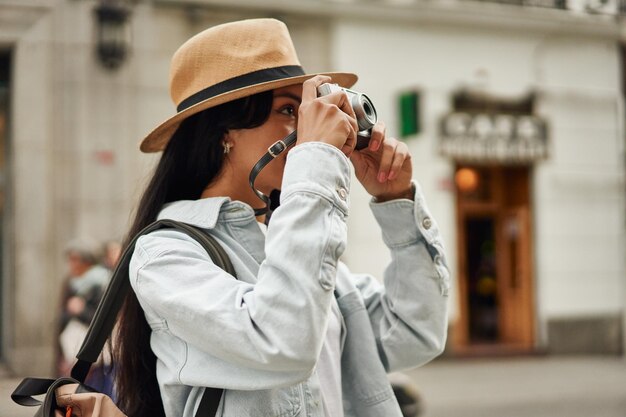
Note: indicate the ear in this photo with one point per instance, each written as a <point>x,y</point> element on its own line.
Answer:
<point>232,136</point>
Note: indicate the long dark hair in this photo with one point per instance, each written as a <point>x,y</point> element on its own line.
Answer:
<point>192,160</point>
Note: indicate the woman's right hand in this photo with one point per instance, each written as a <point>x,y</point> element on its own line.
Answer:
<point>329,119</point>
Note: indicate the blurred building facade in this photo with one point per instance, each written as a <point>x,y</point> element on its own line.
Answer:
<point>513,113</point>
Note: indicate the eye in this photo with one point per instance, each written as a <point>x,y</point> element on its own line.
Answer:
<point>288,110</point>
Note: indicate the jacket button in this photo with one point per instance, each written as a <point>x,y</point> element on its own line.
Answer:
<point>427,223</point>
<point>343,194</point>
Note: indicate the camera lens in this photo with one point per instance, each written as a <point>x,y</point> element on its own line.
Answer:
<point>368,109</point>
<point>364,111</point>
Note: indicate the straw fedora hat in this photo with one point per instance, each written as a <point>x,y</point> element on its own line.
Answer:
<point>227,62</point>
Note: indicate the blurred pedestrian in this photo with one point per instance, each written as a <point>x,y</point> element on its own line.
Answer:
<point>112,252</point>
<point>80,295</point>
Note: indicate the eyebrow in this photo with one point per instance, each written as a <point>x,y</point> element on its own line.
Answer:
<point>292,96</point>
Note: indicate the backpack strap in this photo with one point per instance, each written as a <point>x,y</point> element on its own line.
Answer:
<point>119,286</point>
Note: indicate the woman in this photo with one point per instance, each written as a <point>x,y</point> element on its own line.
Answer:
<point>295,333</point>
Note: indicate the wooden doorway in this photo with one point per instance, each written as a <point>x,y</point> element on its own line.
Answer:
<point>495,260</point>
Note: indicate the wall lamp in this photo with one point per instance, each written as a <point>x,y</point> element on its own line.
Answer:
<point>113,33</point>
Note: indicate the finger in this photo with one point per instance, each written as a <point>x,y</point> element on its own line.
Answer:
<point>378,136</point>
<point>341,100</point>
<point>345,106</point>
<point>350,143</point>
<point>360,166</point>
<point>309,87</point>
<point>399,157</point>
<point>354,130</point>
<point>389,146</point>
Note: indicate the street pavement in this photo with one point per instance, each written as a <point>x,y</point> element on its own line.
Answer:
<point>524,387</point>
<point>584,386</point>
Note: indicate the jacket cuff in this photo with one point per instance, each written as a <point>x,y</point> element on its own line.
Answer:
<point>404,221</point>
<point>318,168</point>
<point>397,221</point>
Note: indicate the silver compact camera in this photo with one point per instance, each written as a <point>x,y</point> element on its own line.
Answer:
<point>363,108</point>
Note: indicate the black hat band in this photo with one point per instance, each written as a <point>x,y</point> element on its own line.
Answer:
<point>241,81</point>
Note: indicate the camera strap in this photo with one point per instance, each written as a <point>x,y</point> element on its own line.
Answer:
<point>272,152</point>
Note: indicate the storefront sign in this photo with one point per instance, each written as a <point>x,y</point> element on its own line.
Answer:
<point>482,137</point>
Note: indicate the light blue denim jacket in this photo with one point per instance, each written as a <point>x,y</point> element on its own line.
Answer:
<point>259,336</point>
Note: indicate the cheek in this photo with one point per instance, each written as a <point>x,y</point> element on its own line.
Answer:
<point>272,174</point>
<point>276,167</point>
<point>278,128</point>
<point>256,142</point>
<point>289,128</point>
<point>249,148</point>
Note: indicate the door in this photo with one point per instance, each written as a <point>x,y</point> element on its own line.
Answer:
<point>514,289</point>
<point>495,263</point>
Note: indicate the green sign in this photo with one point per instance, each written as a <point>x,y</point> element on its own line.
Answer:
<point>409,114</point>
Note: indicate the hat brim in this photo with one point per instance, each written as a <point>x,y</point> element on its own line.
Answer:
<point>157,139</point>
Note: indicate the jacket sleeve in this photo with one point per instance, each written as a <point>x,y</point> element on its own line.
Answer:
<point>409,313</point>
<point>254,336</point>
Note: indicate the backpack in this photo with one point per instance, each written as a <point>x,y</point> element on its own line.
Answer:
<point>69,396</point>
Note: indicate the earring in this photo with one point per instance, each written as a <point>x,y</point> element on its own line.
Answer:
<point>227,146</point>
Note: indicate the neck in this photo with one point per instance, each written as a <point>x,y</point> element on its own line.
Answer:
<point>236,188</point>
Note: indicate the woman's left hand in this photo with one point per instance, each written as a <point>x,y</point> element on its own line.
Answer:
<point>384,167</point>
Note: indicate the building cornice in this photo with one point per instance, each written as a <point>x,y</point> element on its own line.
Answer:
<point>482,14</point>
<point>17,17</point>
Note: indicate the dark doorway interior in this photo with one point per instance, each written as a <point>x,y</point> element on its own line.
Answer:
<point>482,282</point>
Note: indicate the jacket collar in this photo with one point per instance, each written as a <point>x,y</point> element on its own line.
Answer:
<point>205,212</point>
